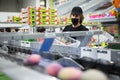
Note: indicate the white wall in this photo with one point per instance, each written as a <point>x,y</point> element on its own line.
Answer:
<point>4,15</point>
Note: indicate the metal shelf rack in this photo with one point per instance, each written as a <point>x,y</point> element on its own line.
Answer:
<point>23,36</point>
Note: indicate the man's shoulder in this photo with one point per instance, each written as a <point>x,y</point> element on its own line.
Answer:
<point>67,27</point>
<point>84,28</point>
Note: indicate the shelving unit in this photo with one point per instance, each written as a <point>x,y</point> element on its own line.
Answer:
<point>24,36</point>
<point>11,25</point>
<point>103,19</point>
<point>15,47</point>
<point>102,53</point>
<point>51,26</point>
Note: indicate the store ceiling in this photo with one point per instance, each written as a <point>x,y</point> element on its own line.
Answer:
<point>89,6</point>
<point>105,6</point>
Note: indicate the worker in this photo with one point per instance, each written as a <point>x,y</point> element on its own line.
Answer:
<point>40,30</point>
<point>16,30</point>
<point>2,30</point>
<point>7,29</point>
<point>76,19</point>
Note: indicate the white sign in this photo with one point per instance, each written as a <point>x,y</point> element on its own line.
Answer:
<point>27,44</point>
<point>88,52</point>
<point>104,54</point>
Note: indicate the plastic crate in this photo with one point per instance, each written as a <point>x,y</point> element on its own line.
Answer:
<point>66,41</point>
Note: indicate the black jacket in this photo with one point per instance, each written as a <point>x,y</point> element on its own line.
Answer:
<point>70,28</point>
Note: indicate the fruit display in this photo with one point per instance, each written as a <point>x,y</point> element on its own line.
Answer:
<point>37,16</point>
<point>28,16</point>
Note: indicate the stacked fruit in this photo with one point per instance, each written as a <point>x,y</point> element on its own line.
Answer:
<point>65,20</point>
<point>28,16</point>
<point>43,16</point>
<point>24,15</point>
<point>46,16</point>
<point>16,19</point>
<point>38,16</point>
<point>53,16</point>
<point>31,19</point>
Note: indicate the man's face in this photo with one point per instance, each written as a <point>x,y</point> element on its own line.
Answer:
<point>75,20</point>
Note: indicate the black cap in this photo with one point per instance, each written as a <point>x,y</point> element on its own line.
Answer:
<point>77,10</point>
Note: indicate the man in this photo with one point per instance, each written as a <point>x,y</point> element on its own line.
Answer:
<point>16,30</point>
<point>7,29</point>
<point>41,30</point>
<point>76,19</point>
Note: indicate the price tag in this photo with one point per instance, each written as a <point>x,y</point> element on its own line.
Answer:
<point>22,43</point>
<point>27,44</point>
<point>104,54</point>
<point>50,35</point>
<point>88,52</point>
